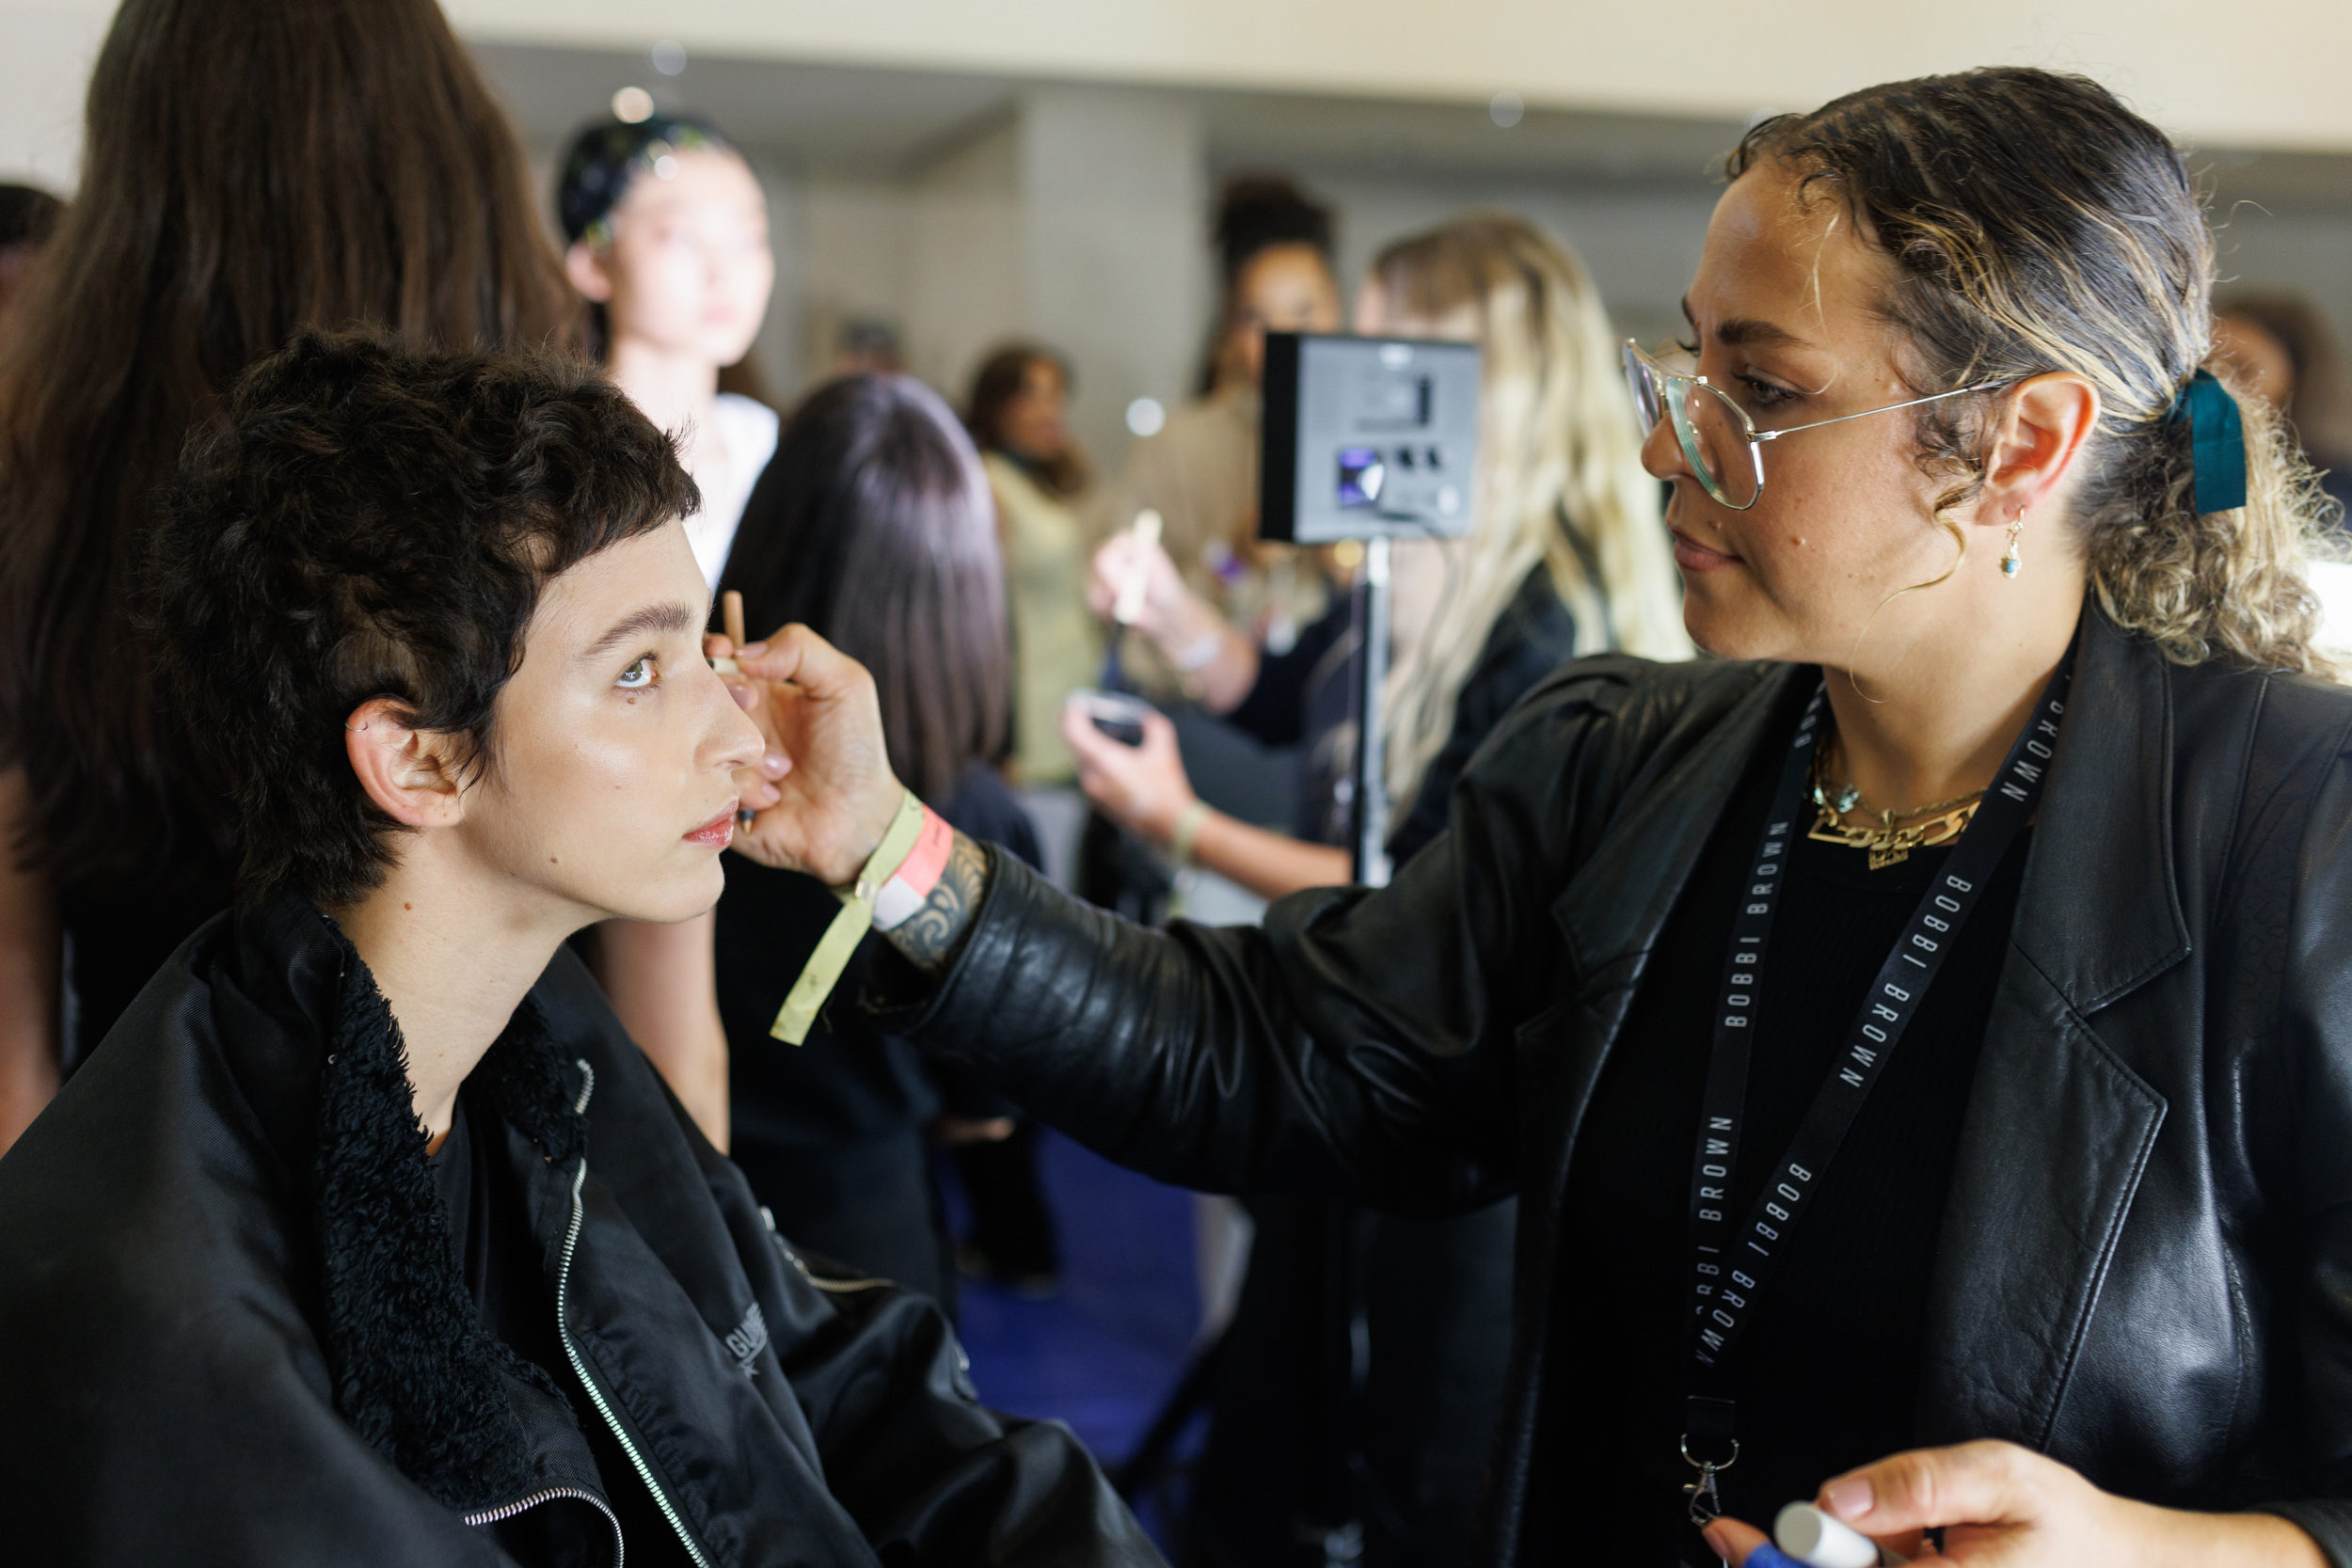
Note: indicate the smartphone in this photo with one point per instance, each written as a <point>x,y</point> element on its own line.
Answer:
<point>1114,713</point>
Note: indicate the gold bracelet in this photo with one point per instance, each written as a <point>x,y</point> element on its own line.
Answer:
<point>1187,829</point>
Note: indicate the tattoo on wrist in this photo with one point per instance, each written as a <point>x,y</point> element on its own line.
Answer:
<point>933,935</point>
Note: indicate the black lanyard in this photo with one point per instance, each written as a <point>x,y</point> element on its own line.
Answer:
<point>1730,1267</point>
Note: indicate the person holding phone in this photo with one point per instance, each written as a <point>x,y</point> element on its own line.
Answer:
<point>2038,1241</point>
<point>1567,556</point>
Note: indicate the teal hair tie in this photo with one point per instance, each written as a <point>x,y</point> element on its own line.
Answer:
<point>2216,442</point>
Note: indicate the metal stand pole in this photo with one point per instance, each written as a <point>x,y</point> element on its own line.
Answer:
<point>1371,848</point>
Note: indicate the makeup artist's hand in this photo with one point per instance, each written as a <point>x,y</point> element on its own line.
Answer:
<point>826,780</point>
<point>1123,558</point>
<point>2002,1506</point>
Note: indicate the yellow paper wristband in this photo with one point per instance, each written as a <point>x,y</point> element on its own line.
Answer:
<point>823,970</point>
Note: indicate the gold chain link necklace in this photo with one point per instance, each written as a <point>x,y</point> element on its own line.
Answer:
<point>1891,839</point>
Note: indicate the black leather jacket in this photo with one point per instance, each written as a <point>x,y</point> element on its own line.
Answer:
<point>232,1332</point>
<point>2146,1263</point>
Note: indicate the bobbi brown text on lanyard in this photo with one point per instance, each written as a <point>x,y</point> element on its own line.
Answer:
<point>1730,1268</point>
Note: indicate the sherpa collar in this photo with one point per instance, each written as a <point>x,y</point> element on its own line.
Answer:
<point>415,1370</point>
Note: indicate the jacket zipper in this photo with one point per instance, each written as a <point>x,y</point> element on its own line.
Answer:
<point>492,1515</point>
<point>579,1366</point>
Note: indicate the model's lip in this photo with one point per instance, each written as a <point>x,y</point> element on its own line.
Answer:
<point>1690,552</point>
<point>718,831</point>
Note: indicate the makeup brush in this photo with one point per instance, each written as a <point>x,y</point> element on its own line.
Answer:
<point>731,613</point>
<point>1128,608</point>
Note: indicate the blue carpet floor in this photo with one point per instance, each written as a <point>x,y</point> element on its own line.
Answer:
<point>1104,1353</point>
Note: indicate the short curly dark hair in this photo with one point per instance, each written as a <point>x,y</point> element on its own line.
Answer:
<point>367,521</point>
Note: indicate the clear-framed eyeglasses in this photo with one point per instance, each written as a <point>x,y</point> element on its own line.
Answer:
<point>1723,447</point>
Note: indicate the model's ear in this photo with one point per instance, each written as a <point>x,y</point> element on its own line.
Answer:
<point>411,774</point>
<point>584,264</point>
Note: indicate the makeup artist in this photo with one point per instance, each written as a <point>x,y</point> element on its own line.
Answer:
<point>1922,1041</point>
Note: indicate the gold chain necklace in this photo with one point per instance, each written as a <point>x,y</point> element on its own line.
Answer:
<point>1897,834</point>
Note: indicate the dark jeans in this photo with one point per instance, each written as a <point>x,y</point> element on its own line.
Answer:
<point>1360,1384</point>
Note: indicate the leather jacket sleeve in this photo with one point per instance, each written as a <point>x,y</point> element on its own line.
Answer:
<point>1360,1040</point>
<point>2315,999</point>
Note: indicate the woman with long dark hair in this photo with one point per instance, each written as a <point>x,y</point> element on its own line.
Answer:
<point>250,167</point>
<point>1922,1039</point>
<point>873,526</point>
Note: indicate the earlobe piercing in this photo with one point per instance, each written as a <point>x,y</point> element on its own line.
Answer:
<point>2010,565</point>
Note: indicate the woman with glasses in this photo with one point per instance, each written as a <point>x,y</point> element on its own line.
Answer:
<point>1921,1041</point>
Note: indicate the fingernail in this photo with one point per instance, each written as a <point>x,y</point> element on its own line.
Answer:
<point>1715,1543</point>
<point>745,698</point>
<point>775,763</point>
<point>1849,1498</point>
<point>750,650</point>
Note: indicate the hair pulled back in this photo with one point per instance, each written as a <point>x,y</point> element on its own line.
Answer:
<point>2036,225</point>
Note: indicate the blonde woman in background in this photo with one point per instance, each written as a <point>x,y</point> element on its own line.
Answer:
<point>1568,556</point>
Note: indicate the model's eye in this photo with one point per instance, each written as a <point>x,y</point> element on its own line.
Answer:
<point>638,676</point>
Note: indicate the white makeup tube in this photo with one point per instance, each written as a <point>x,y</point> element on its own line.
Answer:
<point>1130,606</point>
<point>1814,1538</point>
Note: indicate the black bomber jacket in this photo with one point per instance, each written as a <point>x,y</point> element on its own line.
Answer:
<point>2145,1266</point>
<point>232,1331</point>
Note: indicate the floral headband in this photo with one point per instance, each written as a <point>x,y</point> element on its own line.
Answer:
<point>606,156</point>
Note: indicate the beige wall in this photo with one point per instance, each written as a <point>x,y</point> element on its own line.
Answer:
<point>2260,72</point>
<point>45,57</point>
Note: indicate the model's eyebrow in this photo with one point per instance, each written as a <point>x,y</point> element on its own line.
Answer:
<point>1745,331</point>
<point>650,620</point>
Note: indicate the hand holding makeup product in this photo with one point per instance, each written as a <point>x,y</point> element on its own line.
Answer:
<point>1819,1541</point>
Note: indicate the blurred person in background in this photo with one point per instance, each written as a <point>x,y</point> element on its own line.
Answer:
<point>866,346</point>
<point>668,235</point>
<point>1567,556</point>
<point>2286,355</point>
<point>1019,419</point>
<point>1018,416</point>
<point>250,167</point>
<point>1200,471</point>
<point>28,215</point>
<point>872,526</point>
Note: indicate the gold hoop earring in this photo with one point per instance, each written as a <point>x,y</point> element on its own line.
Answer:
<point>2010,565</point>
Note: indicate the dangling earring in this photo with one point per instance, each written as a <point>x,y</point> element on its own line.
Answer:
<point>2010,563</point>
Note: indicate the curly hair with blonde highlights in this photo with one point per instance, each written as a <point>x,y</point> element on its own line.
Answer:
<point>2081,246</point>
